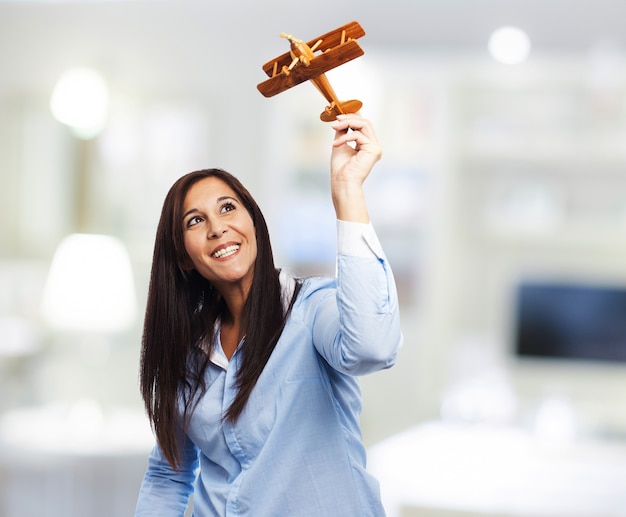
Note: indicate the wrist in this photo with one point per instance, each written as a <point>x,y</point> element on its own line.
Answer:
<point>349,202</point>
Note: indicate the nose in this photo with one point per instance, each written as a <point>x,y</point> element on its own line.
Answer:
<point>216,230</point>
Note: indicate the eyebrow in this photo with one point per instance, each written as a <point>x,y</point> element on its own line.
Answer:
<point>218,200</point>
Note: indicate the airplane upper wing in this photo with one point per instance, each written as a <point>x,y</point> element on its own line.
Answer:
<point>337,55</point>
<point>349,31</point>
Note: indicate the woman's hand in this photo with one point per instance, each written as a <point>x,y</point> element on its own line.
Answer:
<point>355,151</point>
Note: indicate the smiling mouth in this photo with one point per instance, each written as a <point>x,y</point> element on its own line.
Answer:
<point>226,252</point>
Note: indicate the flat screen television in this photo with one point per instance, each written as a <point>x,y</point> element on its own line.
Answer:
<point>570,321</point>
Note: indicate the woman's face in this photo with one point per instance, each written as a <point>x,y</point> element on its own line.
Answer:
<point>219,235</point>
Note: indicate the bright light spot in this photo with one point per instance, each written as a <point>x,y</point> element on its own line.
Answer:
<point>90,286</point>
<point>509,45</point>
<point>80,100</point>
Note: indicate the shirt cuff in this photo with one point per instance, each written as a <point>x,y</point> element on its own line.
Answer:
<point>358,240</point>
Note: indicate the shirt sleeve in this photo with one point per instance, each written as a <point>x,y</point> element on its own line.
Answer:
<point>357,240</point>
<point>164,491</point>
<point>357,326</point>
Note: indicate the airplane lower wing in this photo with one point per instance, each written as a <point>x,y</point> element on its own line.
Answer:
<point>332,58</point>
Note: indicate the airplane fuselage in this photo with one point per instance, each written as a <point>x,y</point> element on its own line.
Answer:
<point>301,51</point>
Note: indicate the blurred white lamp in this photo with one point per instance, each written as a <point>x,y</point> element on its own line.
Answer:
<point>509,45</point>
<point>80,100</point>
<point>90,286</point>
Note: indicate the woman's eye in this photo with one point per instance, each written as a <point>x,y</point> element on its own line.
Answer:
<point>193,221</point>
<point>227,207</point>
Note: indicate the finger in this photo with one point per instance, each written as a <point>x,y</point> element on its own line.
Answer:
<point>349,126</point>
<point>345,134</point>
<point>350,135</point>
<point>346,122</point>
<point>354,118</point>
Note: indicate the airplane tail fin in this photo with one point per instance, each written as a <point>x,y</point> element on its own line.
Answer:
<point>330,112</point>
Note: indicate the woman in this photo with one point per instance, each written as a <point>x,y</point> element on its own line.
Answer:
<point>248,375</point>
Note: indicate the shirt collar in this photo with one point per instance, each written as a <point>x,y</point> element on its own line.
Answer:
<point>216,354</point>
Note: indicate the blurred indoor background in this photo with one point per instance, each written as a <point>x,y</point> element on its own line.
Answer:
<point>500,200</point>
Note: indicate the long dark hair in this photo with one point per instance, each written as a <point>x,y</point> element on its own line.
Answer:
<point>182,309</point>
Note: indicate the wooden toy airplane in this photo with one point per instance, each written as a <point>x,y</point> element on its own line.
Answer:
<point>302,64</point>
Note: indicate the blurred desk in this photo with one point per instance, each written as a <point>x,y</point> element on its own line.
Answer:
<point>71,461</point>
<point>444,470</point>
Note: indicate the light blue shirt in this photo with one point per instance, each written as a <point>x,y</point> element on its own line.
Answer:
<point>296,449</point>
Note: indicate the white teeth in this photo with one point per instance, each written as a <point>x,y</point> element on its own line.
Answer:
<point>225,252</point>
